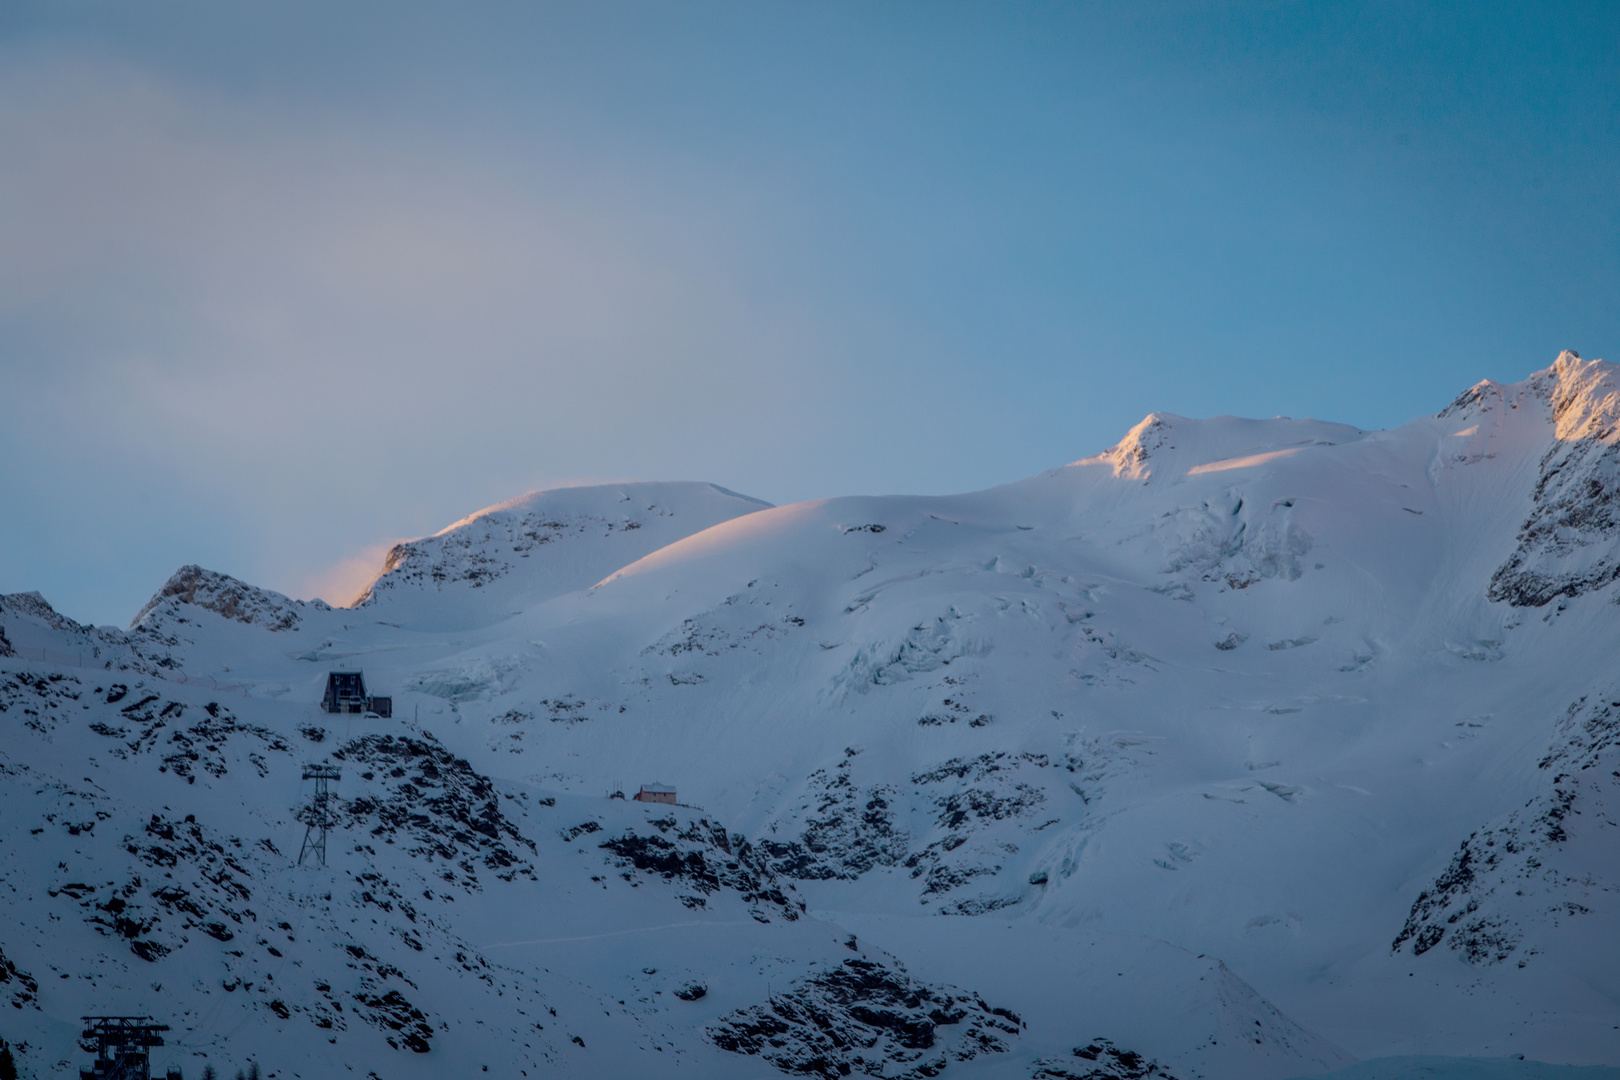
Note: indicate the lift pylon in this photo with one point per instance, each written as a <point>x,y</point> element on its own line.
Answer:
<point>317,816</point>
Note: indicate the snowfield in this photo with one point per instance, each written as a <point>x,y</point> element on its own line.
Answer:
<point>1246,749</point>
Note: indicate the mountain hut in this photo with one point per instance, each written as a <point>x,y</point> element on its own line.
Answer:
<point>346,693</point>
<point>660,793</point>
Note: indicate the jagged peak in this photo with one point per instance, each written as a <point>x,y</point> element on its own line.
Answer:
<point>35,605</point>
<point>1129,456</point>
<point>227,596</point>
<point>1585,397</point>
<point>1167,445</point>
<point>1582,396</point>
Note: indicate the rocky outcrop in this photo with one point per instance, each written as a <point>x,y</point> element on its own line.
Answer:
<point>1570,543</point>
<point>1099,1059</point>
<point>1130,457</point>
<point>846,830</point>
<point>36,606</point>
<point>863,1017</point>
<point>1541,866</point>
<point>702,860</point>
<point>434,805</point>
<point>192,586</point>
<point>17,985</point>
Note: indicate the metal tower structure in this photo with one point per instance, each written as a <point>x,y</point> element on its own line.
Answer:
<point>122,1046</point>
<point>318,816</point>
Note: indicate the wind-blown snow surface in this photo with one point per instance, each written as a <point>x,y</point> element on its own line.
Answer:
<point>1244,749</point>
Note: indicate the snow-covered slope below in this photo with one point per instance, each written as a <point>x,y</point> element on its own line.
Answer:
<point>515,554</point>
<point>1243,749</point>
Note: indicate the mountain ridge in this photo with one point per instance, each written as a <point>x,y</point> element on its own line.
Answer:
<point>1273,725</point>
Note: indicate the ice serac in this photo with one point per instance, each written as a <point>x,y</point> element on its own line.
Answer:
<point>519,553</point>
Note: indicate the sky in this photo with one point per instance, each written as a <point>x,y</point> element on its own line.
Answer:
<point>281,284</point>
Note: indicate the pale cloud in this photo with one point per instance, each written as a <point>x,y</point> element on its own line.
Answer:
<point>320,331</point>
<point>345,581</point>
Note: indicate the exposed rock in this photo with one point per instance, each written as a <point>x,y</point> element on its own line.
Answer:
<point>224,596</point>
<point>702,858</point>
<point>391,1012</point>
<point>202,744</point>
<point>434,803</point>
<point>1098,1059</point>
<point>40,702</point>
<point>845,830</point>
<point>16,984</point>
<point>1569,544</point>
<point>36,606</point>
<point>180,873</point>
<point>864,1017</point>
<point>1530,868</point>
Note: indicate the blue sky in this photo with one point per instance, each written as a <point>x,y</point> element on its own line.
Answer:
<point>280,284</point>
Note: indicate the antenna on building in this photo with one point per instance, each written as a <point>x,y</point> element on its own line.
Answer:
<point>317,816</point>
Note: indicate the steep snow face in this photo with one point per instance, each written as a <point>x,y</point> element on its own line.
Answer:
<point>1240,750</point>
<point>525,551</point>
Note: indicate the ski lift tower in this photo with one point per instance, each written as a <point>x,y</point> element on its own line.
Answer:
<point>122,1046</point>
<point>318,816</point>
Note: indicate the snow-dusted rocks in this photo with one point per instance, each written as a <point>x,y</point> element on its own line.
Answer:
<point>529,550</point>
<point>221,594</point>
<point>1516,882</point>
<point>1570,543</point>
<point>1137,767</point>
<point>861,1016</point>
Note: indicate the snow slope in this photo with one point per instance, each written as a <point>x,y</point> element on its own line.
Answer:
<point>1246,748</point>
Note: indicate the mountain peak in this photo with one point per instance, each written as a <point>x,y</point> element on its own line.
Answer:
<point>1165,445</point>
<point>226,596</point>
<point>539,546</point>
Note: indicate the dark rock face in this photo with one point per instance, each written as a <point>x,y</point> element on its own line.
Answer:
<point>846,830</point>
<point>1099,1059</point>
<point>39,702</point>
<point>148,723</point>
<point>18,985</point>
<point>435,804</point>
<point>391,1012</point>
<point>1530,868</point>
<point>965,795</point>
<point>1569,544</point>
<point>181,878</point>
<point>702,858</point>
<point>864,1017</point>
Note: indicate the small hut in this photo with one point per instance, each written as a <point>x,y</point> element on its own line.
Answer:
<point>346,693</point>
<point>660,793</point>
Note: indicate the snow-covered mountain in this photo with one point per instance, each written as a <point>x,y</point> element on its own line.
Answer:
<point>1244,749</point>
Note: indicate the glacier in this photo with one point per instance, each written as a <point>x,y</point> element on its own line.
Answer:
<point>1243,749</point>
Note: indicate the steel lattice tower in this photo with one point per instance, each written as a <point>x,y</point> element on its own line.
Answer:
<point>318,816</point>
<point>122,1045</point>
